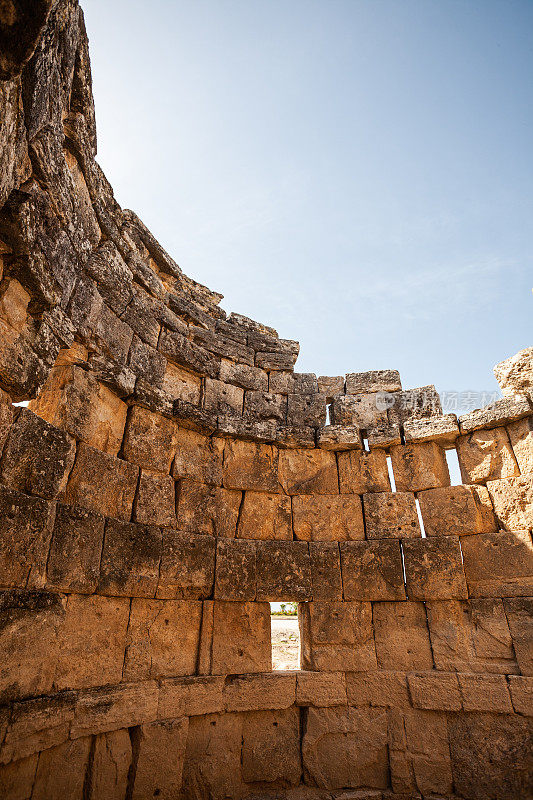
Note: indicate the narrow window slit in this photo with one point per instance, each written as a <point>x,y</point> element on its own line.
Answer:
<point>328,413</point>
<point>453,467</point>
<point>391,474</point>
<point>420,520</point>
<point>285,636</point>
<point>364,437</point>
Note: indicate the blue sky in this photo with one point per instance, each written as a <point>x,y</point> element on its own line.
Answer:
<point>356,173</point>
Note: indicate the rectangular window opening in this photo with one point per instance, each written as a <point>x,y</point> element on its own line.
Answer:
<point>420,520</point>
<point>453,467</point>
<point>364,437</point>
<point>285,636</point>
<point>391,474</point>
<point>328,413</point>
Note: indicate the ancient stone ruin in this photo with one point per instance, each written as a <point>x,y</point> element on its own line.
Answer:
<point>172,475</point>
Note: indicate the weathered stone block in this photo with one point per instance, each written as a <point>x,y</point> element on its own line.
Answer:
<point>419,754</point>
<point>363,410</point>
<point>306,409</point>
<point>74,560</point>
<point>339,437</point>
<point>222,397</point>
<point>443,429</point>
<point>363,472</point>
<point>187,566</point>
<point>457,511</point>
<point>265,516</point>
<point>93,470</point>
<point>113,335</point>
<point>346,748</point>
<point>422,402</point>
<point>327,517</point>
<point>402,636</point>
<point>61,771</point>
<point>184,353</point>
<point>515,374</point>
<point>419,466</point>
<point>372,571</point>
<point>149,440</point>
<point>147,362</point>
<point>160,750</point>
<point>111,708</point>
<point>245,376</point>
<point>513,502</point>
<point>107,778</point>
<point>235,576</point>
<point>390,515</point>
<point>25,532</point>
<point>521,689</point>
<point>261,692</point>
<point>384,436</point>
<point>519,613</point>
<point>207,509</point>
<point>308,472</point>
<point>435,691</point>
<point>163,639</point>
<point>16,779</point>
<point>35,725</point>
<point>240,637</point>
<point>250,466</point>
<point>380,380</point>
<point>382,688</point>
<point>265,406</point>
<point>330,386</point>
<point>193,696</point>
<point>521,437</point>
<point>326,576</point>
<point>155,501</point>
<point>283,571</point>
<point>434,569</point>
<point>293,383</point>
<point>485,693</point>
<point>37,457</point>
<point>496,414</point>
<point>198,457</point>
<point>320,689</point>
<point>486,456</point>
<point>205,771</point>
<point>130,559</point>
<point>498,564</point>
<point>336,636</point>
<point>271,746</point>
<point>182,385</point>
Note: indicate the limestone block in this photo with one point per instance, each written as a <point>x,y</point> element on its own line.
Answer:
<point>108,772</point>
<point>339,437</point>
<point>149,439</point>
<point>327,517</point>
<point>326,576</point>
<point>35,725</point>
<point>346,748</point>
<point>91,642</point>
<point>186,354</point>
<point>419,753</point>
<point>198,457</point>
<point>498,564</point>
<point>240,638</point>
<point>245,428</point>
<point>486,456</point>
<point>163,639</point>
<point>519,612</point>
<point>261,692</point>
<point>14,300</point>
<point>271,746</point>
<point>330,386</point>
<point>93,470</point>
<point>283,571</point>
<point>195,696</point>
<point>235,575</point>
<point>294,436</point>
<point>212,765</point>
<point>250,466</point>
<point>293,383</point>
<point>363,472</point>
<point>485,693</point>
<point>521,437</point>
<point>383,688</point>
<point>434,569</point>
<point>515,374</point>
<point>380,380</point>
<point>336,636</point>
<point>61,771</point>
<point>37,457</point>
<point>308,472</point>
<point>207,509</point>
<point>147,362</point>
<point>491,756</point>
<point>443,429</point>
<point>275,361</point>
<point>28,619</point>
<point>457,511</point>
<point>402,636</point>
<point>521,689</point>
<point>161,751</point>
<point>222,397</point>
<point>306,409</point>
<point>25,532</point>
<point>245,376</point>
<point>497,414</point>
<point>372,571</point>
<point>16,779</point>
<point>155,501</point>
<point>513,502</point>
<point>435,691</point>
<point>419,466</point>
<point>265,406</point>
<point>75,401</point>
<point>422,402</point>
<point>265,515</point>
<point>471,636</point>
<point>390,515</point>
<point>114,336</point>
<point>74,559</point>
<point>7,413</point>
<point>187,566</point>
<point>384,436</point>
<point>364,410</point>
<point>110,708</point>
<point>130,559</point>
<point>320,689</point>
<point>182,385</point>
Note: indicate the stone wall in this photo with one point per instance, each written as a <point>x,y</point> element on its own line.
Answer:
<point>172,476</point>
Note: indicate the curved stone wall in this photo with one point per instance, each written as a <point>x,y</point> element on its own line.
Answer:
<point>172,476</point>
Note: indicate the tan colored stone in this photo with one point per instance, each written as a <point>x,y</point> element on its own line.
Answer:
<point>261,692</point>
<point>443,429</point>
<point>390,515</point>
<point>485,693</point>
<point>198,457</point>
<point>187,566</point>
<point>93,470</point>
<point>419,754</point>
<point>339,437</point>
<point>212,766</point>
<point>521,437</point>
<point>110,764</point>
<point>521,688</point>
<point>283,571</point>
<point>519,613</point>
<point>320,689</point>
<point>434,569</point>
<point>179,383</point>
<point>327,517</point>
<point>130,559</point>
<point>515,374</point>
<point>336,636</point>
<point>513,502</point>
<point>35,725</point>
<point>155,501</point>
<point>160,754</point>
<point>265,515</point>
<point>223,397</point>
<point>207,509</point>
<point>402,636</point>
<point>308,472</point>
<point>25,531</point>
<point>61,771</point>
<point>457,511</point>
<point>365,410</point>
<point>14,300</point>
<point>361,472</point>
<point>149,439</point>
<point>330,386</point>
<point>498,564</point>
<point>486,456</point>
<point>74,559</point>
<point>240,638</point>
<point>271,746</point>
<point>380,380</point>
<point>7,413</point>
<point>250,466</point>
<point>419,466</point>
<point>110,708</point>
<point>326,578</point>
<point>163,639</point>
<point>382,688</point>
<point>345,748</point>
<point>16,779</point>
<point>372,570</point>
<point>435,691</point>
<point>193,696</point>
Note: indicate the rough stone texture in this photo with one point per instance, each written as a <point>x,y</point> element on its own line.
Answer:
<point>339,437</point>
<point>456,511</point>
<point>435,691</point>
<point>519,613</point>
<point>382,688</point>
<point>486,456</point>
<point>363,472</point>
<point>61,771</point>
<point>443,429</point>
<point>321,689</point>
<point>419,466</point>
<point>236,575</point>
<point>365,410</point>
<point>327,518</point>
<point>419,753</point>
<point>25,531</point>
<point>75,551</point>
<point>207,509</point>
<point>271,746</point>
<point>111,758</point>
<point>130,559</point>
<point>197,457</point>
<point>155,501</point>
<point>384,380</point>
<point>326,578</point>
<point>513,502</point>
<point>160,751</point>
<point>187,567</point>
<point>422,402</point>
<point>372,571</point>
<point>250,466</point>
<point>240,638</point>
<point>515,374</point>
<point>149,440</point>
<point>521,438</point>
<point>497,414</point>
<point>498,564</point>
<point>283,571</point>
<point>434,569</point>
<point>93,470</point>
<point>390,515</point>
<point>337,636</point>
<point>402,636</point>
<point>264,515</point>
<point>308,472</point>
